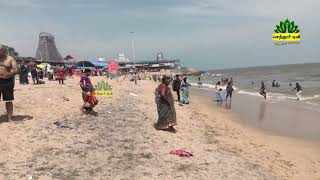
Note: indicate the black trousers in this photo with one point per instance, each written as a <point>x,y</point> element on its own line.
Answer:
<point>178,94</point>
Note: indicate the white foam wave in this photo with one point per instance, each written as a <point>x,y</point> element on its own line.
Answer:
<point>279,96</point>
<point>248,93</point>
<point>211,86</point>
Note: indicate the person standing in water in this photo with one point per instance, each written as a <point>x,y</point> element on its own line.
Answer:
<point>218,92</point>
<point>263,90</point>
<point>299,91</point>
<point>165,106</point>
<point>229,90</point>
<point>199,82</point>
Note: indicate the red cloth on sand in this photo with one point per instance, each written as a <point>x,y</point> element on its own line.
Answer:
<point>181,153</point>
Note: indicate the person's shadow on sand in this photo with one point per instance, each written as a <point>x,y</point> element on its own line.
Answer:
<point>3,118</point>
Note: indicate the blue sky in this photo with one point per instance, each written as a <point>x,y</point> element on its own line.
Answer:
<point>206,34</point>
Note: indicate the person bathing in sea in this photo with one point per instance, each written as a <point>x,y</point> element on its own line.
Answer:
<point>199,82</point>
<point>218,92</point>
<point>263,90</point>
<point>229,90</point>
<point>299,91</point>
<point>87,92</point>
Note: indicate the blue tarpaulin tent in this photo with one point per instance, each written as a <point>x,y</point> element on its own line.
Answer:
<point>100,64</point>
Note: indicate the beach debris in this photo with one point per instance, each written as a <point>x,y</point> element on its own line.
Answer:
<point>30,177</point>
<point>181,153</point>
<point>62,124</point>
<point>132,94</point>
<point>65,98</point>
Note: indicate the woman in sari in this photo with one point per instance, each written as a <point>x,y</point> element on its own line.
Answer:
<point>165,105</point>
<point>185,91</point>
<point>24,73</point>
<point>61,74</point>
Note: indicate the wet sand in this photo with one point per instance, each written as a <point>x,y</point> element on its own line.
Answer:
<point>287,118</point>
<point>119,142</point>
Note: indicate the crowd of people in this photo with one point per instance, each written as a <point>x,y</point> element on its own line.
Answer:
<point>219,89</point>
<point>38,73</point>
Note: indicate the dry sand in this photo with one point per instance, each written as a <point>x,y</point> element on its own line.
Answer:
<point>120,142</point>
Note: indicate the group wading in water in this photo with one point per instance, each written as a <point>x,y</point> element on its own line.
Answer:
<point>224,84</point>
<point>263,89</point>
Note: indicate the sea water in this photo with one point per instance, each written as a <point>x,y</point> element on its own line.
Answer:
<point>307,75</point>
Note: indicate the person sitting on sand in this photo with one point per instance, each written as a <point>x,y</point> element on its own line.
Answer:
<point>8,70</point>
<point>299,91</point>
<point>87,92</point>
<point>165,106</point>
<point>263,90</point>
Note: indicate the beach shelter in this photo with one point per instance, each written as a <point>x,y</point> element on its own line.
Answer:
<point>42,65</point>
<point>68,57</point>
<point>86,64</point>
<point>100,64</point>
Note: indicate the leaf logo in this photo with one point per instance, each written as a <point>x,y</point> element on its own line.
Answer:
<point>287,27</point>
<point>103,86</point>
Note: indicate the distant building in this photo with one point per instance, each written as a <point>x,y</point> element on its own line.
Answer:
<point>122,58</point>
<point>155,65</point>
<point>47,50</point>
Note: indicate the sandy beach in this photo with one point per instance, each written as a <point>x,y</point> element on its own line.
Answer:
<point>120,142</point>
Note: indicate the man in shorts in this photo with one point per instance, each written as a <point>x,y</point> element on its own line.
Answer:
<point>8,70</point>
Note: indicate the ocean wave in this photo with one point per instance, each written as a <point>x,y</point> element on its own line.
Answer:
<point>279,96</point>
<point>216,74</point>
<point>211,86</point>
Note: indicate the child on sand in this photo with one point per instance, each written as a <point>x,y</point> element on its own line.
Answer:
<point>87,92</point>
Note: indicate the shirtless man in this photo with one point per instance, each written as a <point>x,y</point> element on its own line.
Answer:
<point>8,69</point>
